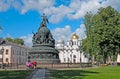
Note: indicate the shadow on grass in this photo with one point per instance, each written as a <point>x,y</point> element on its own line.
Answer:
<point>70,74</point>
<point>16,74</point>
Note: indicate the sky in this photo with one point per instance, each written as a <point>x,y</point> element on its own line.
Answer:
<point>19,18</point>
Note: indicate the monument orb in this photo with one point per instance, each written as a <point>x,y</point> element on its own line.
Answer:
<point>43,50</point>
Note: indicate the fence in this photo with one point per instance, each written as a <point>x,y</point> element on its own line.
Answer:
<point>12,66</point>
<point>47,65</point>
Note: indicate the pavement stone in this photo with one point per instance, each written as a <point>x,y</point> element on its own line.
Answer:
<point>40,74</point>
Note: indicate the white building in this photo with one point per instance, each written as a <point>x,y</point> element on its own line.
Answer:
<point>71,52</point>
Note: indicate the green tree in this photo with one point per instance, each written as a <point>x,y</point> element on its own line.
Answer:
<point>9,39</point>
<point>103,33</point>
<point>15,40</point>
<point>87,45</point>
<point>18,41</point>
<point>107,30</point>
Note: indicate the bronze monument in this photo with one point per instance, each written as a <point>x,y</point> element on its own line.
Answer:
<point>43,50</point>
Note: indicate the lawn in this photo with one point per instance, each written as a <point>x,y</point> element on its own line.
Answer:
<point>14,74</point>
<point>108,72</point>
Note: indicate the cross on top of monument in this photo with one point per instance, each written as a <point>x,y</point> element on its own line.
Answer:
<point>45,20</point>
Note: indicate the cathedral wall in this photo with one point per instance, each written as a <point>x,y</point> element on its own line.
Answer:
<point>71,51</point>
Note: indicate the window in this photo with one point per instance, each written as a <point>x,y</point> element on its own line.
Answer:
<point>6,59</point>
<point>13,52</point>
<point>74,60</point>
<point>75,42</point>
<point>64,60</point>
<point>0,59</point>
<point>74,56</point>
<point>68,60</point>
<point>6,52</point>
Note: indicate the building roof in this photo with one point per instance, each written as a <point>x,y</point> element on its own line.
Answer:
<point>74,36</point>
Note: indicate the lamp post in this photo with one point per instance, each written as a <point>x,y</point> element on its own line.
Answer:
<point>28,58</point>
<point>2,52</point>
<point>71,57</point>
<point>80,55</point>
<point>80,59</point>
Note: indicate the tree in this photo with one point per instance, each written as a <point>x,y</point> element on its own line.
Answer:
<point>107,27</point>
<point>87,45</point>
<point>16,40</point>
<point>9,39</point>
<point>103,35</point>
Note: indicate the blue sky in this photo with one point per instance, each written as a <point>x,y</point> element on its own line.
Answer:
<point>19,18</point>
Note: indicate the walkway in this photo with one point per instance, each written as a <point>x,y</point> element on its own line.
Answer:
<point>41,74</point>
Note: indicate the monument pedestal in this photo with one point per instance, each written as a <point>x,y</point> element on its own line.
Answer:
<point>44,54</point>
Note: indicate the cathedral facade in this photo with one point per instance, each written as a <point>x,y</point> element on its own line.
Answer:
<point>70,52</point>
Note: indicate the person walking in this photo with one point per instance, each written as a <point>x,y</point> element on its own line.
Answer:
<point>35,64</point>
<point>27,65</point>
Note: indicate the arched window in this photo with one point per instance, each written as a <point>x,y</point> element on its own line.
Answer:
<point>74,56</point>
<point>74,59</point>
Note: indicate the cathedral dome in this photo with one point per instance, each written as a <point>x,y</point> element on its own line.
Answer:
<point>74,36</point>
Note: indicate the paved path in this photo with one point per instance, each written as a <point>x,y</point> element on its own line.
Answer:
<point>40,74</point>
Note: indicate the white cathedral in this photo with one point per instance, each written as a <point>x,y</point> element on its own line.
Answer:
<point>70,52</point>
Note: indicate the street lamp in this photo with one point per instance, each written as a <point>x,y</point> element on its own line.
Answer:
<point>1,52</point>
<point>80,59</point>
<point>80,51</point>
<point>28,58</point>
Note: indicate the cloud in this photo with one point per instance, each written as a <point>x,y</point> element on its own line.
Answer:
<point>57,13</point>
<point>114,3</point>
<point>4,6</point>
<point>37,5</point>
<point>74,9</point>
<point>81,31</point>
<point>27,39</point>
<point>66,33</point>
<point>7,4</point>
<point>84,7</point>
<point>62,33</point>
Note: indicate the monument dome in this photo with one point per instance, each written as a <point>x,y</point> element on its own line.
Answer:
<point>43,30</point>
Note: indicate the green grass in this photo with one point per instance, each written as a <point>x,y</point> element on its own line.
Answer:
<point>14,74</point>
<point>108,72</point>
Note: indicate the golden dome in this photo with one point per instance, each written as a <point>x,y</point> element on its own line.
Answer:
<point>74,36</point>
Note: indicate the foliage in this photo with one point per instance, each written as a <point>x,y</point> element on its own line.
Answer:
<point>103,35</point>
<point>16,40</point>
<point>87,43</point>
<point>9,39</point>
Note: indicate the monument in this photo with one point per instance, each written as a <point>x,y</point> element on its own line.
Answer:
<point>43,50</point>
